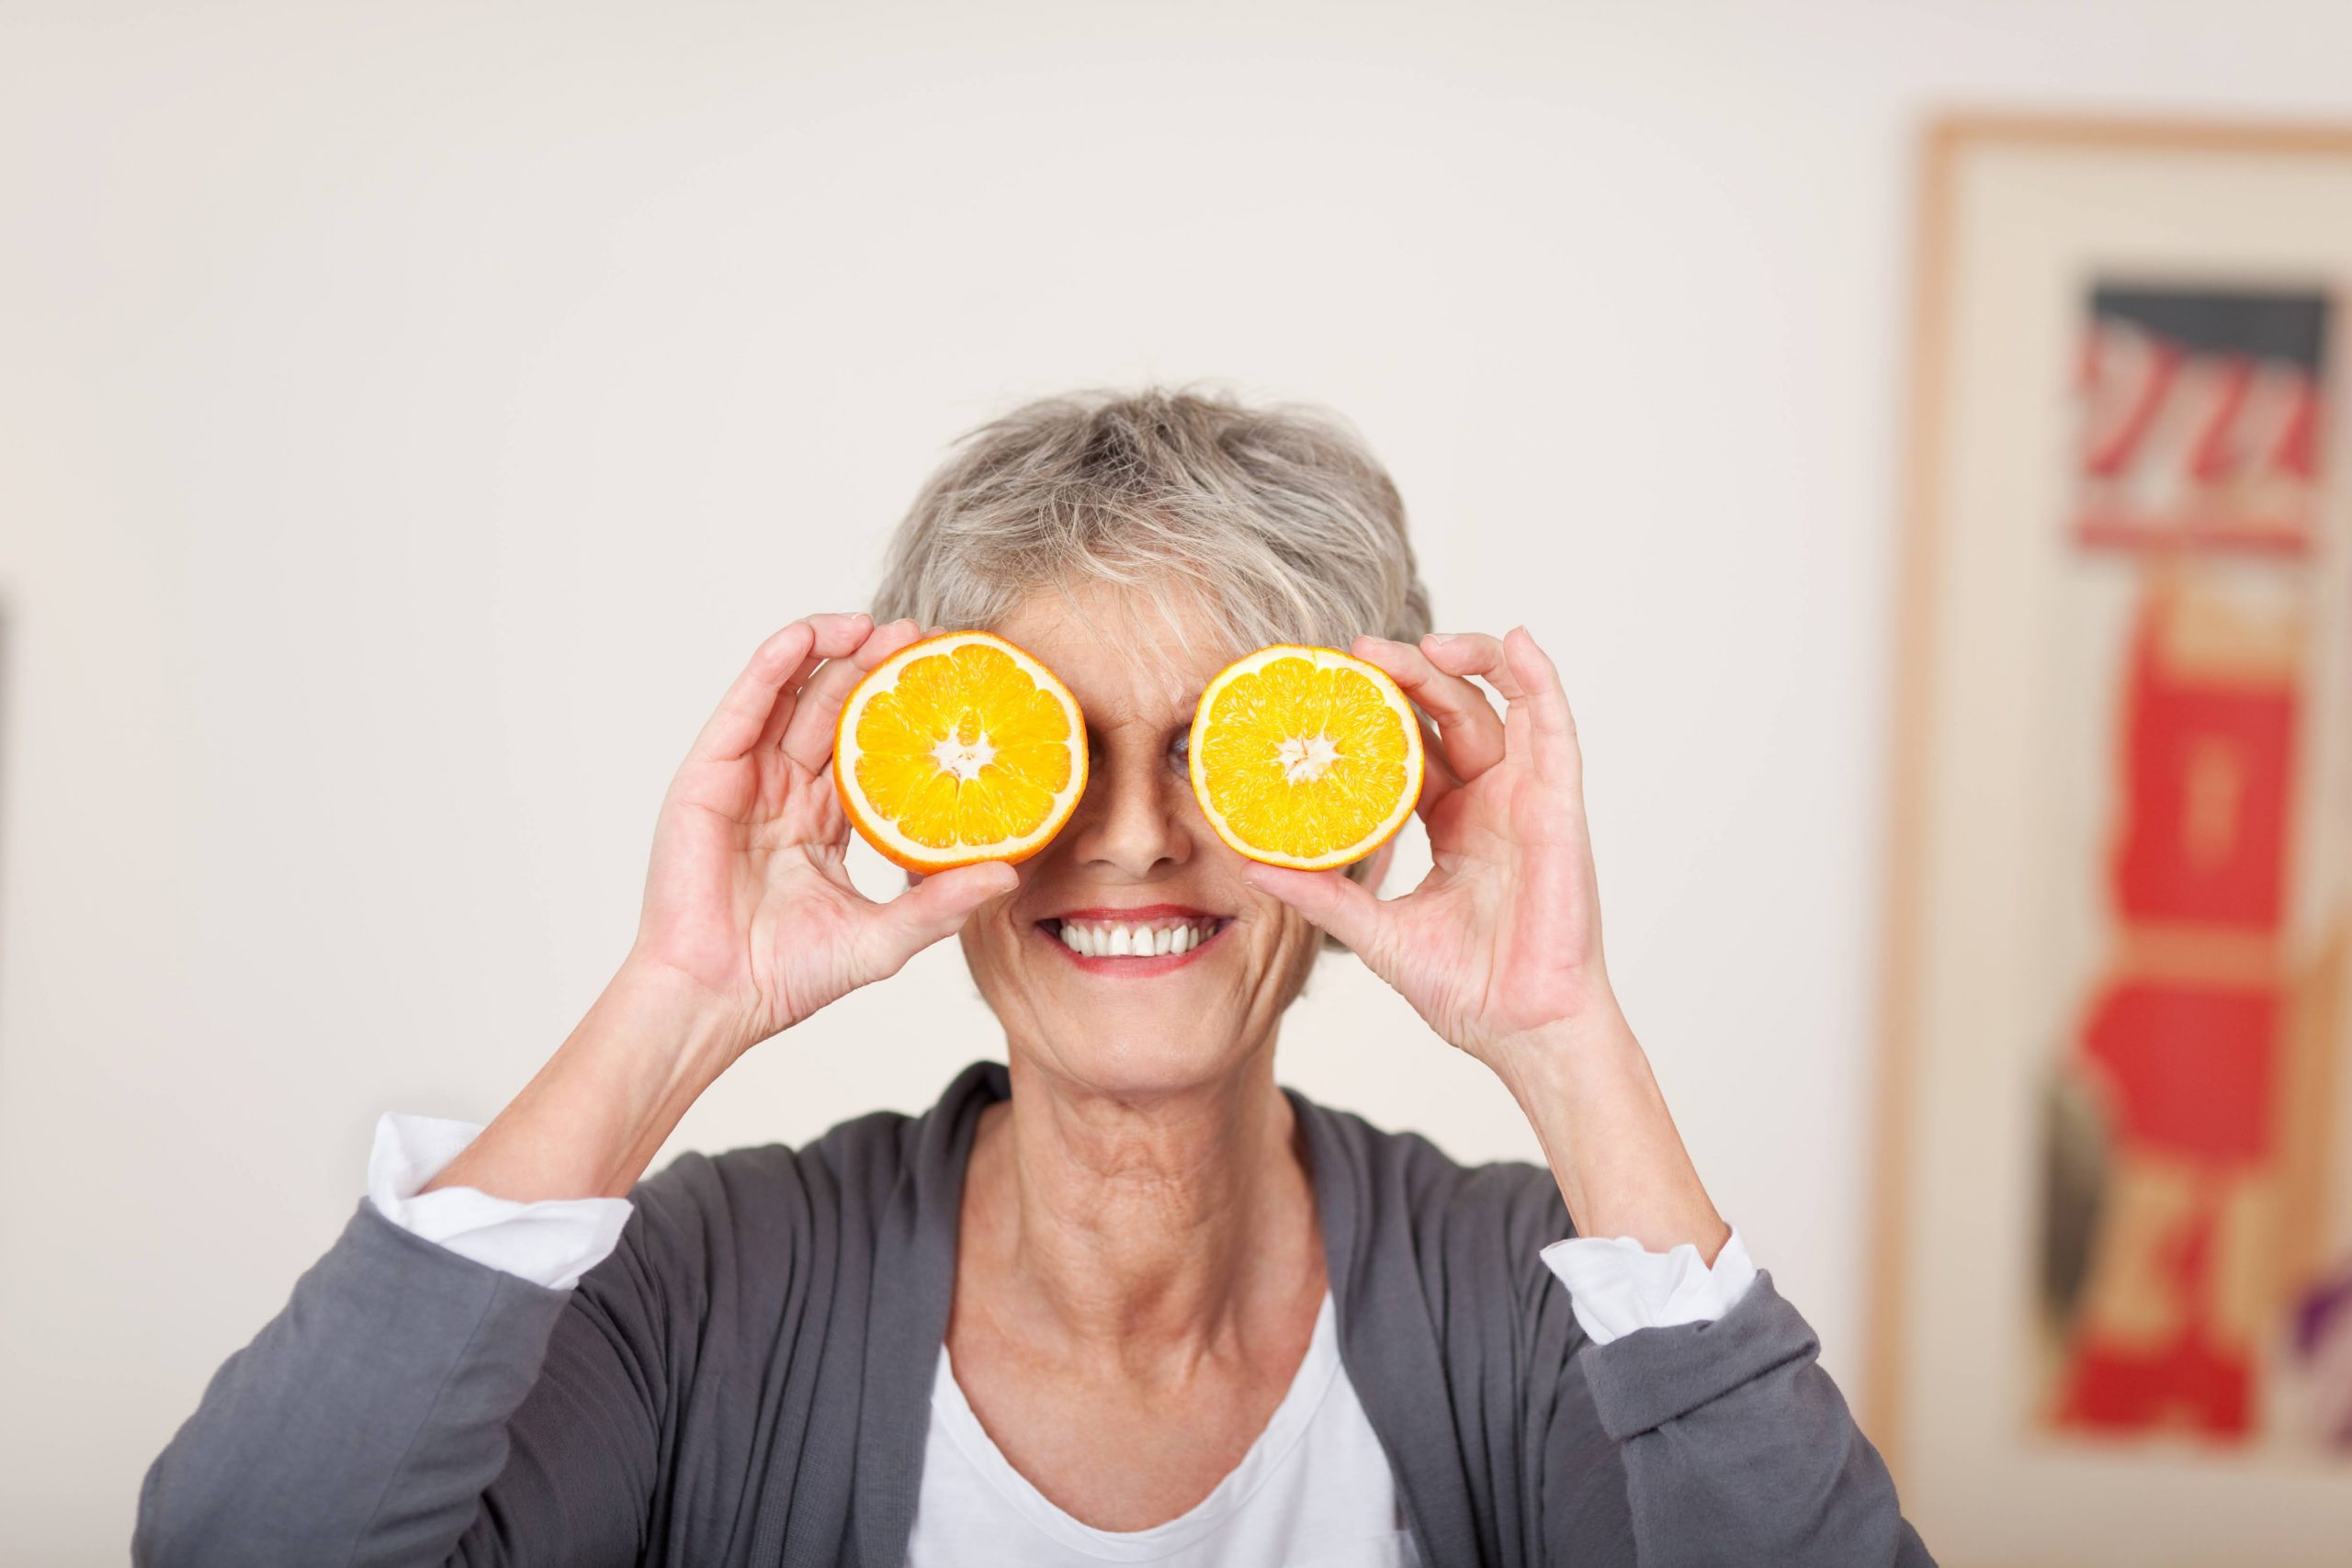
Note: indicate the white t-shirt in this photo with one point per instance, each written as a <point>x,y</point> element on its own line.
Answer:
<point>1314,1489</point>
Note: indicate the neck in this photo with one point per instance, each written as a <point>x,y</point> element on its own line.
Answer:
<point>1142,1224</point>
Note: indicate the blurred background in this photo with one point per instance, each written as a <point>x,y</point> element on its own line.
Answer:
<point>411,416</point>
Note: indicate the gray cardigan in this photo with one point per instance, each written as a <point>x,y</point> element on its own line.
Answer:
<point>747,1381</point>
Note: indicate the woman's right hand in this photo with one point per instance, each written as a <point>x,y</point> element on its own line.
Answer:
<point>748,898</point>
<point>750,925</point>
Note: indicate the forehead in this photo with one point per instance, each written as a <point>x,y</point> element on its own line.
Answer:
<point>1124,656</point>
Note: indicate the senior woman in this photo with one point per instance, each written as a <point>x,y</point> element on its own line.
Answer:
<point>1121,1299</point>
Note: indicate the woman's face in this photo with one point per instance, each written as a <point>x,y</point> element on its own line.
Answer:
<point>1135,868</point>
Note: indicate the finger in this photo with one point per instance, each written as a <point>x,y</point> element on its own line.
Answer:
<point>768,681</point>
<point>1524,676</point>
<point>808,738</point>
<point>1347,910</point>
<point>932,908</point>
<point>1536,673</point>
<point>780,715</point>
<point>1469,730</point>
<point>1553,724</point>
<point>1474,653</point>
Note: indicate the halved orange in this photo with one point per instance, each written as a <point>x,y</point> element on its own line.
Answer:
<point>956,748</point>
<point>1304,757</point>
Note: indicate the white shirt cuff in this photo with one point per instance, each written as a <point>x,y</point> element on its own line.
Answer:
<point>1615,1285</point>
<point>549,1243</point>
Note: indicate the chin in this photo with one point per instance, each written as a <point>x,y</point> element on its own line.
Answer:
<point>1144,1059</point>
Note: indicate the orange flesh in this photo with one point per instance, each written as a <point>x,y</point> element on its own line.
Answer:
<point>1302,760</point>
<point>963,751</point>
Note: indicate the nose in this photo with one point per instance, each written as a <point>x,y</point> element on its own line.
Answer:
<point>1133,817</point>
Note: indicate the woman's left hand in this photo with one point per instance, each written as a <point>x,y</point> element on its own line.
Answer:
<point>1501,944</point>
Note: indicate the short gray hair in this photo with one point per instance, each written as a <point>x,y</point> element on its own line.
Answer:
<point>1274,524</point>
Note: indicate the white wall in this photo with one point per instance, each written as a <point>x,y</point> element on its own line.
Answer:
<point>411,416</point>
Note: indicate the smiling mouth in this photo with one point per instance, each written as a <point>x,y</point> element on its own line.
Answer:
<point>1168,936</point>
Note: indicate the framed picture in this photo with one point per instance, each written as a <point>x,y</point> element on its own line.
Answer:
<point>2113,1306</point>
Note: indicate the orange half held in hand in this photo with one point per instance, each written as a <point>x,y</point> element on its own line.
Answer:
<point>1304,757</point>
<point>956,748</point>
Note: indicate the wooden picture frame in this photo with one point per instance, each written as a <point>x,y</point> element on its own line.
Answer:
<point>2111,1313</point>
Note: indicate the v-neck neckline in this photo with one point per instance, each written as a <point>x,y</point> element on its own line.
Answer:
<point>913,1285</point>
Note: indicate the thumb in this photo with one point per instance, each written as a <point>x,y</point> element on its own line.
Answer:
<point>934,907</point>
<point>1341,906</point>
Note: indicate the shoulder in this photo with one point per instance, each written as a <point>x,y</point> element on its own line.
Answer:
<point>1397,1184</point>
<point>774,1189</point>
<point>704,1212</point>
<point>1436,1268</point>
<point>851,1168</point>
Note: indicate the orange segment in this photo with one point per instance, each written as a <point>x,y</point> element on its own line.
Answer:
<point>957,749</point>
<point>1304,757</point>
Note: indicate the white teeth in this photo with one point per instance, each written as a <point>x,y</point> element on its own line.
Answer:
<point>1111,939</point>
